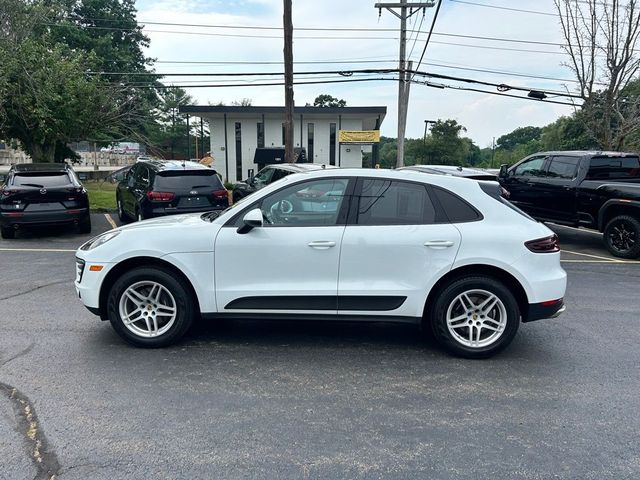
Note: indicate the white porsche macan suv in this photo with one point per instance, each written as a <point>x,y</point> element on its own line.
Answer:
<point>443,252</point>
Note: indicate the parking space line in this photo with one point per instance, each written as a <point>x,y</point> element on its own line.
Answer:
<point>35,250</point>
<point>618,262</point>
<point>110,220</point>
<point>613,260</point>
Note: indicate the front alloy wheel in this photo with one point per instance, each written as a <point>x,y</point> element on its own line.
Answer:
<point>622,236</point>
<point>475,317</point>
<point>150,307</point>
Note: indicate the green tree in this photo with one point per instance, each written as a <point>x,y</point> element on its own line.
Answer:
<point>518,136</point>
<point>444,145</point>
<point>325,100</point>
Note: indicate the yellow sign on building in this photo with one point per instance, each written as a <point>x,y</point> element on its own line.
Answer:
<point>359,136</point>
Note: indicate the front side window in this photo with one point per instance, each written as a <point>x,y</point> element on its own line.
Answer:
<point>563,167</point>
<point>312,203</point>
<point>386,202</point>
<point>530,168</point>
<point>263,177</point>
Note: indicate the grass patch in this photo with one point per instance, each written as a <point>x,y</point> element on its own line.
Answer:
<point>102,195</point>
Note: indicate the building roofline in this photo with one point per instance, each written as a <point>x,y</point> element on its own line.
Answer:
<point>201,109</point>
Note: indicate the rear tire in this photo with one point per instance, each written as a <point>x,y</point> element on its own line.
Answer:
<point>7,232</point>
<point>85,225</point>
<point>123,217</point>
<point>622,236</point>
<point>475,317</point>
<point>149,307</point>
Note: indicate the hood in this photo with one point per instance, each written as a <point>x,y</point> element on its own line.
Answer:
<point>170,221</point>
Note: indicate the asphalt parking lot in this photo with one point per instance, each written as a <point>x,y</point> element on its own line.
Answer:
<point>289,400</point>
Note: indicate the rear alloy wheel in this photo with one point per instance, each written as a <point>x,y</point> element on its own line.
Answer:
<point>622,236</point>
<point>8,232</point>
<point>475,317</point>
<point>149,307</point>
<point>139,216</point>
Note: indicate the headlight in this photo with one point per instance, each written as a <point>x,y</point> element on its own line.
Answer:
<point>100,240</point>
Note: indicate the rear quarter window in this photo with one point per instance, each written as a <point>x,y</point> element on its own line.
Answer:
<point>604,168</point>
<point>455,208</point>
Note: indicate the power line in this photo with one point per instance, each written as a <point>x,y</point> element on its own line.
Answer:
<point>497,7</point>
<point>433,24</point>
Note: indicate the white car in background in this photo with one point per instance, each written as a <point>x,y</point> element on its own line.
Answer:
<point>340,244</point>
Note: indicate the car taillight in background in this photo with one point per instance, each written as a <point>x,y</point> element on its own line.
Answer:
<point>220,194</point>
<point>7,192</point>
<point>160,196</point>
<point>544,245</point>
<point>76,189</point>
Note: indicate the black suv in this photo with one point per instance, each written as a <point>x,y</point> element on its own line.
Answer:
<point>165,187</point>
<point>597,190</point>
<point>42,194</point>
<point>270,174</point>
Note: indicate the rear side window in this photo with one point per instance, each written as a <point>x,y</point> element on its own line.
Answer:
<point>456,209</point>
<point>563,167</point>
<point>603,168</point>
<point>279,173</point>
<point>188,180</point>
<point>385,202</point>
<point>42,179</point>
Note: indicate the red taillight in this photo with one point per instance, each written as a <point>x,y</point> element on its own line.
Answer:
<point>6,192</point>
<point>549,303</point>
<point>220,194</point>
<point>160,196</point>
<point>76,189</point>
<point>544,245</point>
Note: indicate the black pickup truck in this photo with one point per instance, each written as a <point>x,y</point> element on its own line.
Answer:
<point>596,190</point>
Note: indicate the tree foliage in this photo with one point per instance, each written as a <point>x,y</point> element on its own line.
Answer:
<point>325,100</point>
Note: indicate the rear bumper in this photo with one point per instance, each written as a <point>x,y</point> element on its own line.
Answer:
<point>54,217</point>
<point>161,212</point>
<point>540,311</point>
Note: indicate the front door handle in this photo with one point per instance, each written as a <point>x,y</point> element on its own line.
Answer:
<point>322,244</point>
<point>439,244</point>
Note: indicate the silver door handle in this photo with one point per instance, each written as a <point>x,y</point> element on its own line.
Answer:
<point>439,244</point>
<point>322,244</point>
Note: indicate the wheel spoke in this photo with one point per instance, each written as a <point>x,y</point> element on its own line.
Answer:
<point>490,327</point>
<point>134,296</point>
<point>458,321</point>
<point>155,325</point>
<point>467,303</point>
<point>129,319</point>
<point>165,310</point>
<point>147,320</point>
<point>471,335</point>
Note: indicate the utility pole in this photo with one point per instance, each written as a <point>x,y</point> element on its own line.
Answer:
<point>288,83</point>
<point>406,10</point>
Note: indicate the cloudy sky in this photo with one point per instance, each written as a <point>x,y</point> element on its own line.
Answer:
<point>485,116</point>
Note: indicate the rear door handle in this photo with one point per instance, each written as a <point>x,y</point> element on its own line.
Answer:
<point>439,244</point>
<point>322,244</point>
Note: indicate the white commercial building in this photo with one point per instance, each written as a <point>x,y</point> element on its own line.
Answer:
<point>236,133</point>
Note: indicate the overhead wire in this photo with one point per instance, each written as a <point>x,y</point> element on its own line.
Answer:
<point>433,24</point>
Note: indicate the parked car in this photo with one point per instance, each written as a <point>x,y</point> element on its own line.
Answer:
<point>465,172</point>
<point>42,194</point>
<point>166,187</point>
<point>118,175</point>
<point>595,190</point>
<point>456,171</point>
<point>270,174</point>
<point>432,250</point>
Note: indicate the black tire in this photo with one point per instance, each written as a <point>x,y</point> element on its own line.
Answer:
<point>622,236</point>
<point>139,215</point>
<point>122,216</point>
<point>236,196</point>
<point>7,232</point>
<point>182,297</point>
<point>447,298</point>
<point>85,225</point>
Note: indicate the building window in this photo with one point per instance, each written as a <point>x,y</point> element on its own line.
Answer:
<point>238,151</point>
<point>260,134</point>
<point>284,134</point>
<point>332,144</point>
<point>310,155</point>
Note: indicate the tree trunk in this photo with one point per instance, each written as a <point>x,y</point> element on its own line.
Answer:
<point>41,153</point>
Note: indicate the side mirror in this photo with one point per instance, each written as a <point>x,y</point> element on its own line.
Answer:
<point>251,220</point>
<point>504,173</point>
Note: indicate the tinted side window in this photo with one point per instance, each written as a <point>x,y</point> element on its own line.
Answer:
<point>602,168</point>
<point>263,177</point>
<point>531,168</point>
<point>563,167</point>
<point>279,173</point>
<point>385,202</point>
<point>456,209</point>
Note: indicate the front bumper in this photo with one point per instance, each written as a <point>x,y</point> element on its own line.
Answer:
<point>540,311</point>
<point>89,283</point>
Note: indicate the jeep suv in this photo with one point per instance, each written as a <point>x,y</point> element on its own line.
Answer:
<point>42,194</point>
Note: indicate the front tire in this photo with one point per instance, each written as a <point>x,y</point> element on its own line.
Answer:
<point>622,236</point>
<point>475,317</point>
<point>7,232</point>
<point>85,225</point>
<point>149,307</point>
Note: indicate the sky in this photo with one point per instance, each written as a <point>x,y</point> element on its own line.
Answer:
<point>484,116</point>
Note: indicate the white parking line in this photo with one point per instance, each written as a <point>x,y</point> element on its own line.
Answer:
<point>613,260</point>
<point>110,220</point>
<point>619,262</point>
<point>35,250</point>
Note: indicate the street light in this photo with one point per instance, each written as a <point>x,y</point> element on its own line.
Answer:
<point>426,123</point>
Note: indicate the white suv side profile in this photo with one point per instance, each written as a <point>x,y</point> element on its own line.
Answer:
<point>443,252</point>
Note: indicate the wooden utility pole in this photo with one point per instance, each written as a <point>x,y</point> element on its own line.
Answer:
<point>406,11</point>
<point>288,83</point>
